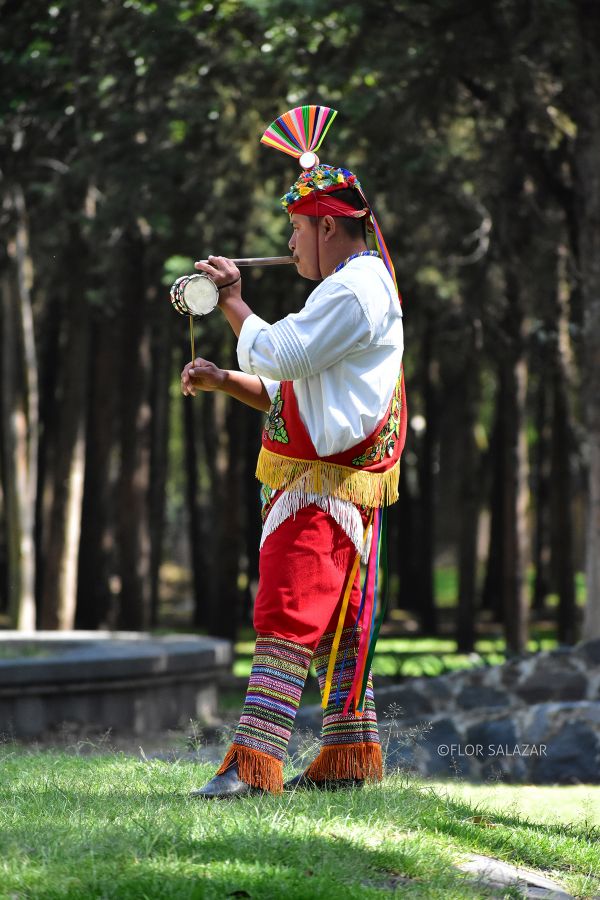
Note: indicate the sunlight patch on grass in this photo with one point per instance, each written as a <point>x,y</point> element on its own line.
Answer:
<point>549,804</point>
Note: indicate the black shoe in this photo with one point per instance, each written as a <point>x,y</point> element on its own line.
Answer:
<point>228,784</point>
<point>303,782</point>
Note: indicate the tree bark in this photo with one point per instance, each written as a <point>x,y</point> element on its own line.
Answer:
<point>97,563</point>
<point>492,586</point>
<point>516,491</point>
<point>20,423</point>
<point>587,173</point>
<point>200,538</point>
<point>162,328</point>
<point>223,612</point>
<point>134,542</point>
<point>469,501</point>
<point>427,479</point>
<point>563,563</point>
<point>542,492</point>
<point>59,590</point>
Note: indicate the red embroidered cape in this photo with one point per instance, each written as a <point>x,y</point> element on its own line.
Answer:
<point>366,474</point>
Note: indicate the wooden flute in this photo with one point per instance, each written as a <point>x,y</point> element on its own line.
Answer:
<point>261,261</point>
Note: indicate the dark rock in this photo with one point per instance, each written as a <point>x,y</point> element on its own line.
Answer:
<point>494,745</point>
<point>552,680</point>
<point>572,756</point>
<point>473,697</point>
<point>444,750</point>
<point>510,673</point>
<point>495,733</point>
<point>589,652</point>
<point>402,702</point>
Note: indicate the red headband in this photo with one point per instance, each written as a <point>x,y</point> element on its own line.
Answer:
<point>324,203</point>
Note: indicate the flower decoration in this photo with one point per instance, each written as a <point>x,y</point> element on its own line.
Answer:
<point>318,179</point>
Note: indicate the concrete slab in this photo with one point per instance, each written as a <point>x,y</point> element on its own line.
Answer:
<point>495,874</point>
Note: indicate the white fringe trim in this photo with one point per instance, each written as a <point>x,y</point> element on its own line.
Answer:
<point>343,512</point>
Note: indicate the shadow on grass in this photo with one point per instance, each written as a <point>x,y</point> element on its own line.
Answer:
<point>116,827</point>
<point>168,846</point>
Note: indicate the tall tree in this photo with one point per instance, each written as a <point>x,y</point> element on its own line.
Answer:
<point>587,188</point>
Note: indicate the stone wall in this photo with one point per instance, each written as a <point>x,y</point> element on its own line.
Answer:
<point>534,719</point>
<point>129,683</point>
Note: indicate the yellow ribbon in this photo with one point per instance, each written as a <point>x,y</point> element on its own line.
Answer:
<point>340,625</point>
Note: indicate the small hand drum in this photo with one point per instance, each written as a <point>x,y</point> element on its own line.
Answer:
<point>194,295</point>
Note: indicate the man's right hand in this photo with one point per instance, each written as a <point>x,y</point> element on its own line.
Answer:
<point>201,375</point>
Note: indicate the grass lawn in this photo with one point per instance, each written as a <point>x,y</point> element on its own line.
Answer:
<point>114,826</point>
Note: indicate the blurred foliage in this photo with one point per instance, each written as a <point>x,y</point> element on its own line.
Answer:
<point>128,118</point>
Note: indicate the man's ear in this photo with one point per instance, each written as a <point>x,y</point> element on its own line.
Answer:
<point>329,226</point>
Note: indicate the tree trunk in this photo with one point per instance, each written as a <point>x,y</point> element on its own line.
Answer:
<point>587,171</point>
<point>563,565</point>
<point>542,492</point>
<point>427,478</point>
<point>516,492</point>
<point>404,548</point>
<point>59,590</point>
<point>492,587</point>
<point>201,555</point>
<point>162,321</point>
<point>97,563</point>
<point>223,615</point>
<point>562,542</point>
<point>20,424</point>
<point>469,502</point>
<point>133,524</point>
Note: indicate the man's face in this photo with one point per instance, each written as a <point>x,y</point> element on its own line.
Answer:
<point>303,244</point>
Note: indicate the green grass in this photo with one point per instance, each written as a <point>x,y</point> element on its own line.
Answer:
<point>112,826</point>
<point>552,804</point>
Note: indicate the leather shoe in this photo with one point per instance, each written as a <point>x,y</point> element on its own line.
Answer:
<point>303,782</point>
<point>228,784</point>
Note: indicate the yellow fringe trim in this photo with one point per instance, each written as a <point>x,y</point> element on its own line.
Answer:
<point>255,768</point>
<point>347,761</point>
<point>329,479</point>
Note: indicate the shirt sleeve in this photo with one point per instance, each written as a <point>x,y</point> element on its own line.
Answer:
<point>331,325</point>
<point>270,386</point>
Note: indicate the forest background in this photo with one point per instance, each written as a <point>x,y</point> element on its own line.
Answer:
<point>130,147</point>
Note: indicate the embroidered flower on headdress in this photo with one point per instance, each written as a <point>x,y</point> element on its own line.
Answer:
<point>317,179</point>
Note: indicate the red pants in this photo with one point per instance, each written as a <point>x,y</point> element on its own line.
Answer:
<point>303,568</point>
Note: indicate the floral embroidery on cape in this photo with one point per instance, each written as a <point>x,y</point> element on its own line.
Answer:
<point>275,424</point>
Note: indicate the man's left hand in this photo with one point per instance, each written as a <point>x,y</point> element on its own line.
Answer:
<point>223,271</point>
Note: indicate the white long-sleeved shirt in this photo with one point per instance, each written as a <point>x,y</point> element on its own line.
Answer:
<point>342,350</point>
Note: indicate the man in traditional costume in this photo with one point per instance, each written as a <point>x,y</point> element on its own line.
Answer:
<point>330,379</point>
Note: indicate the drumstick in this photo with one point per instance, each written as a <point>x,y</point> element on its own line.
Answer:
<point>261,261</point>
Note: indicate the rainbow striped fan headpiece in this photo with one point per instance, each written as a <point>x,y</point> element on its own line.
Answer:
<point>299,133</point>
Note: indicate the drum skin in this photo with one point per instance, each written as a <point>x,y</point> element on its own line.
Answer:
<point>194,295</point>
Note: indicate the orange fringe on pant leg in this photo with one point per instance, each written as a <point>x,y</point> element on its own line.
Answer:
<point>342,761</point>
<point>255,768</point>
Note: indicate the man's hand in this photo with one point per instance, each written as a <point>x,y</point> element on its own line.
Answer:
<point>201,375</point>
<point>223,272</point>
